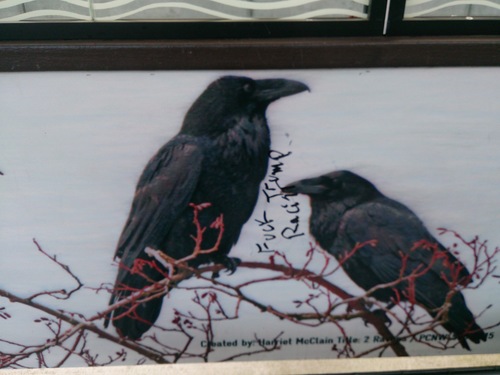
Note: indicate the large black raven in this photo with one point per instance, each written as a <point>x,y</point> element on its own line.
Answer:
<point>348,211</point>
<point>217,160</point>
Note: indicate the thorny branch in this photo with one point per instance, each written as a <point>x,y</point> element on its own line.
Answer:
<point>76,327</point>
<point>59,294</point>
<point>326,303</point>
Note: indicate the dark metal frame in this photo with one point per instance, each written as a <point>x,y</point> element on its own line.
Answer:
<point>292,53</point>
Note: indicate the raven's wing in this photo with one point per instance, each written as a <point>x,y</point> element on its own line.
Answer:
<point>397,230</point>
<point>163,192</point>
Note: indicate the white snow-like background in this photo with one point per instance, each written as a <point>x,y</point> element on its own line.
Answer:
<point>72,146</point>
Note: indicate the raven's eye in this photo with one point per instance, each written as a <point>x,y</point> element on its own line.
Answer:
<point>336,183</point>
<point>330,183</point>
<point>248,87</point>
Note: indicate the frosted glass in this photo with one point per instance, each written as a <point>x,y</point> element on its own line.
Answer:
<point>452,8</point>
<point>158,10</point>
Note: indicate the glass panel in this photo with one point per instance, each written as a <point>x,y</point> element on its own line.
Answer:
<point>468,9</point>
<point>158,10</point>
<point>45,10</point>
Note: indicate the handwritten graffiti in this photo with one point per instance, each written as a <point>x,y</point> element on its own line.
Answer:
<point>270,229</point>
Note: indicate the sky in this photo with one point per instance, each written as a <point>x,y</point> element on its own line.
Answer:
<point>73,144</point>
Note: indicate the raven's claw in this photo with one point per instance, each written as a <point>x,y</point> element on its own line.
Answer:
<point>230,263</point>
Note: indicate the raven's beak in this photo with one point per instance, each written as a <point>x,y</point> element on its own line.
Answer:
<point>269,90</point>
<point>290,189</point>
<point>309,186</point>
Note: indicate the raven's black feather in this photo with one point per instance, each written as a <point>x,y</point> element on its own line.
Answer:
<point>348,210</point>
<point>220,156</point>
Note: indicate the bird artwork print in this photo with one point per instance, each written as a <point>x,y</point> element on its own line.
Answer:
<point>395,248</point>
<point>216,161</point>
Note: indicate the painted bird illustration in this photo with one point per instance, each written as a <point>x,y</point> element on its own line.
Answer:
<point>348,210</point>
<point>217,160</point>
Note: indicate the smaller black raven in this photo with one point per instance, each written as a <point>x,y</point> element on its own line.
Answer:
<point>348,210</point>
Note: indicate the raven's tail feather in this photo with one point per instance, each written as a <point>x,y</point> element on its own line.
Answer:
<point>473,333</point>
<point>134,318</point>
<point>461,322</point>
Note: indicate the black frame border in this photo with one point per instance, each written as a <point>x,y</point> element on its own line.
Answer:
<point>251,54</point>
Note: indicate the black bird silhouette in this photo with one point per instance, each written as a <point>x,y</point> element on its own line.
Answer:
<point>348,210</point>
<point>218,159</point>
